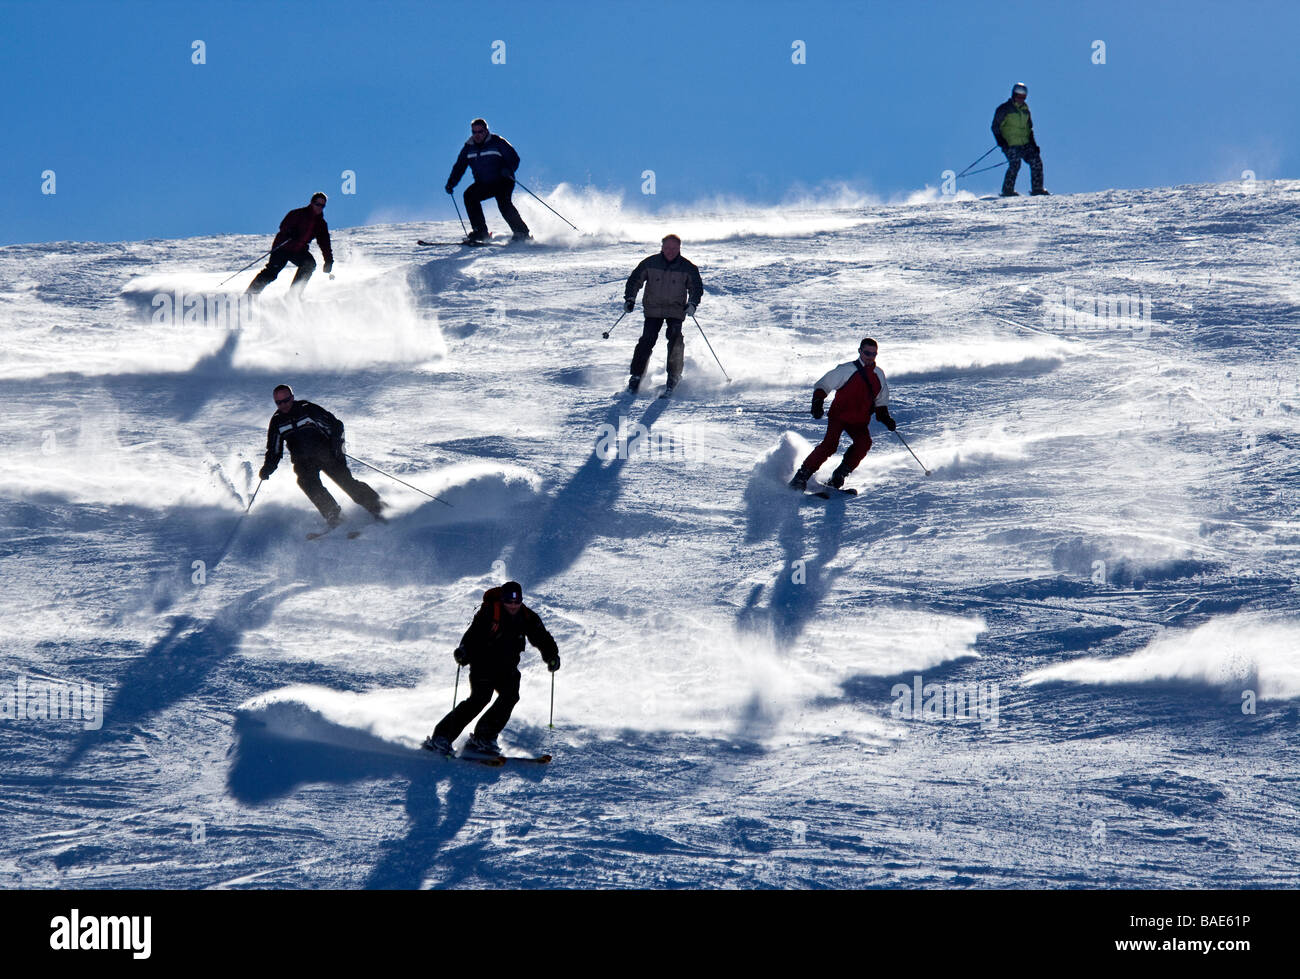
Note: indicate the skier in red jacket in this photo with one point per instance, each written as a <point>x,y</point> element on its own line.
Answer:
<point>297,230</point>
<point>862,391</point>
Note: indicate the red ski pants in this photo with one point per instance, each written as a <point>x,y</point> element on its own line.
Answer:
<point>831,443</point>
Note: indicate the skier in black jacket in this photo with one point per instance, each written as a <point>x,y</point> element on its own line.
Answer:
<point>494,162</point>
<point>315,441</point>
<point>491,646</point>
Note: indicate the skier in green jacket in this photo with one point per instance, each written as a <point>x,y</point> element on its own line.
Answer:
<point>1013,128</point>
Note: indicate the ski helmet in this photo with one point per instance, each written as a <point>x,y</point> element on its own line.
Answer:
<point>1019,88</point>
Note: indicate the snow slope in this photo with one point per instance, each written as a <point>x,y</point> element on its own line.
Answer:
<point>1104,386</point>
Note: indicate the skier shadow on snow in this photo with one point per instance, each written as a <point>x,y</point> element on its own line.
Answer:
<point>178,664</point>
<point>803,581</point>
<point>267,767</point>
<point>582,509</point>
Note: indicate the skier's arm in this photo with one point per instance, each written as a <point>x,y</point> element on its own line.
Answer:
<point>1029,118</point>
<point>458,169</point>
<point>472,641</point>
<point>882,403</point>
<point>543,640</point>
<point>510,158</point>
<point>274,450</point>
<point>636,280</point>
<point>285,232</point>
<point>323,239</point>
<point>835,378</point>
<point>332,427</point>
<point>696,287</point>
<point>997,125</point>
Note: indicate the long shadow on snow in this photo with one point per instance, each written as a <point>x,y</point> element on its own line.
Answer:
<point>580,510</point>
<point>267,767</point>
<point>179,663</point>
<point>803,581</point>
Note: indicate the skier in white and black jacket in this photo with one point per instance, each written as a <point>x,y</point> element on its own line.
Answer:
<point>314,438</point>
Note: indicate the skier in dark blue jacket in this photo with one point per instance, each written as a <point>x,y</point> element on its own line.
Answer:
<point>494,162</point>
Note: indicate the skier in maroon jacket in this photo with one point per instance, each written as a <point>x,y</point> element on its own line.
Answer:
<point>297,230</point>
<point>862,391</point>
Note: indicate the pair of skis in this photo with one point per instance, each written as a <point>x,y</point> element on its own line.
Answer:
<point>495,761</point>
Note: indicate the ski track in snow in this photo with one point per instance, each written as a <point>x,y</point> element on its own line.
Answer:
<point>1109,536</point>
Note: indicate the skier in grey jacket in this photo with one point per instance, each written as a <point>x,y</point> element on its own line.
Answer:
<point>673,288</point>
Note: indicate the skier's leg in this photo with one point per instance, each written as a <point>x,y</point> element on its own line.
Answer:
<point>507,208</point>
<point>1013,168</point>
<point>825,449</point>
<point>475,195</point>
<point>309,480</point>
<point>267,275</point>
<point>360,492</point>
<point>306,266</point>
<point>676,352</point>
<point>1035,161</point>
<point>494,721</point>
<point>857,451</point>
<point>649,335</point>
<point>480,692</point>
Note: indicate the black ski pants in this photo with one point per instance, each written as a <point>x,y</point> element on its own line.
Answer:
<point>336,468</point>
<point>503,679</point>
<point>476,193</point>
<point>1030,155</point>
<point>279,259</point>
<point>649,336</point>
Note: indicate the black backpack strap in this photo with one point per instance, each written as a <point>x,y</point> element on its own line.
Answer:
<point>866,378</point>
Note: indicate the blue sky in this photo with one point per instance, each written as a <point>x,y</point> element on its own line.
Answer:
<point>146,144</point>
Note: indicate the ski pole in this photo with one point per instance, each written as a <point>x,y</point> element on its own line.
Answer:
<point>395,479</point>
<point>990,150</point>
<point>456,690</point>
<point>235,529</point>
<point>551,722</point>
<point>458,217</point>
<point>251,264</point>
<point>909,449</point>
<point>549,208</point>
<point>605,335</point>
<point>706,340</point>
<point>995,166</point>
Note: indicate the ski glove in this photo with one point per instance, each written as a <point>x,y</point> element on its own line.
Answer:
<point>553,663</point>
<point>461,656</point>
<point>329,266</point>
<point>449,188</point>
<point>629,305</point>
<point>690,309</point>
<point>508,175</point>
<point>882,415</point>
<point>336,448</point>
<point>266,472</point>
<point>819,399</point>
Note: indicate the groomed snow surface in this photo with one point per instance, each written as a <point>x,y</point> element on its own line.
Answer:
<point>1092,596</point>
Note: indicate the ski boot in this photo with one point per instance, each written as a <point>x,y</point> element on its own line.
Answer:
<point>477,237</point>
<point>481,746</point>
<point>1040,193</point>
<point>837,478</point>
<point>1010,193</point>
<point>800,481</point>
<point>634,382</point>
<point>437,743</point>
